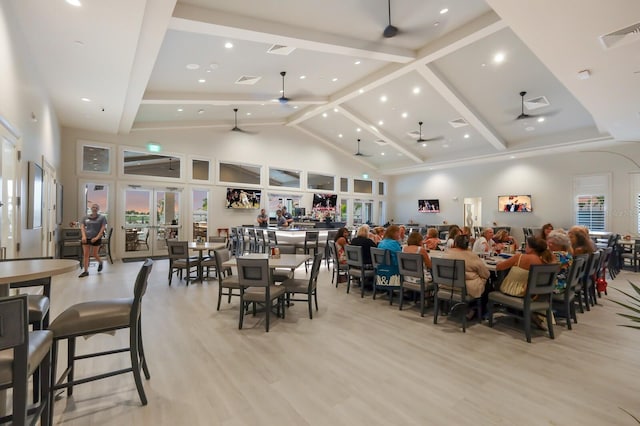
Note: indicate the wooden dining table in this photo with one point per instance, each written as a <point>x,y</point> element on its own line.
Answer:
<point>284,261</point>
<point>201,248</point>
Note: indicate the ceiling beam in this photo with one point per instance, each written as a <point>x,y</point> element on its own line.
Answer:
<point>334,146</point>
<point>369,127</point>
<point>165,125</point>
<point>217,23</point>
<point>454,99</point>
<point>171,98</point>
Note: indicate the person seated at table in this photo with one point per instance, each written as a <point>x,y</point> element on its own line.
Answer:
<point>546,229</point>
<point>414,245</point>
<point>378,234</point>
<point>342,239</point>
<point>485,243</point>
<point>391,242</point>
<point>467,231</point>
<point>263,219</point>
<point>280,220</point>
<point>476,273</point>
<point>560,246</point>
<point>362,239</point>
<point>503,237</point>
<point>431,240</point>
<point>454,231</point>
<point>402,235</point>
<point>580,241</point>
<point>536,252</point>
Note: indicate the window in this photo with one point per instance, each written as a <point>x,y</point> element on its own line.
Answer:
<point>199,169</point>
<point>147,164</point>
<point>286,178</point>
<point>591,194</point>
<point>239,173</point>
<point>317,181</point>
<point>95,159</point>
<point>380,188</point>
<point>344,185</point>
<point>363,186</point>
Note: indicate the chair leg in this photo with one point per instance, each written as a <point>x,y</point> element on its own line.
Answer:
<point>570,312</point>
<point>421,303</point>
<point>550,323</point>
<point>310,306</point>
<point>220,295</point>
<point>135,363</point>
<point>490,312</point>
<point>71,353</point>
<point>315,297</point>
<point>436,309</point>
<point>143,358</point>
<point>268,305</point>
<point>527,325</point>
<point>45,391</point>
<point>53,378</point>
<point>242,308</point>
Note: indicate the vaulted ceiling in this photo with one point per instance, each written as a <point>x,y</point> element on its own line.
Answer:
<point>457,67</point>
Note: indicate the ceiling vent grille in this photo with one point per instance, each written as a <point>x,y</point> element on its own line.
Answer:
<point>248,79</point>
<point>380,142</point>
<point>537,102</point>
<point>458,122</point>
<point>280,49</point>
<point>621,37</point>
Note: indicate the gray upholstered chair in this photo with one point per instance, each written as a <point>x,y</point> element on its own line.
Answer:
<point>256,287</point>
<point>226,279</point>
<point>564,303</point>
<point>180,260</point>
<point>309,287</point>
<point>331,235</point>
<point>102,316</point>
<point>537,299</point>
<point>21,354</point>
<point>588,292</point>
<point>357,270</point>
<point>382,257</point>
<point>411,267</point>
<point>450,285</point>
<point>310,244</point>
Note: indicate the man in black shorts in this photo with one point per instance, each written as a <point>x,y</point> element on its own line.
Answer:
<point>92,227</point>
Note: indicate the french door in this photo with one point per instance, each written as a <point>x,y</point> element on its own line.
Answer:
<point>150,217</point>
<point>8,189</point>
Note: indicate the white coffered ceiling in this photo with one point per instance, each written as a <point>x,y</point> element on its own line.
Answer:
<point>345,81</point>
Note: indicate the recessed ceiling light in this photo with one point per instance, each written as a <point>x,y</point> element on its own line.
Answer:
<point>540,119</point>
<point>335,110</point>
<point>295,107</point>
<point>435,24</point>
<point>302,77</point>
<point>193,66</point>
<point>180,109</point>
<point>340,135</point>
<point>498,57</point>
<point>512,157</point>
<point>324,114</point>
<point>202,80</point>
<point>382,153</point>
<point>466,136</point>
<point>416,90</point>
<point>248,113</point>
<point>405,115</point>
<point>200,111</point>
<point>530,128</point>
<point>358,129</point>
<point>380,123</point>
<point>208,71</point>
<point>357,63</point>
<point>443,11</point>
<point>483,65</point>
<point>383,98</point>
<point>334,79</point>
<point>361,91</point>
<point>228,45</point>
<point>424,145</point>
<point>85,99</point>
<point>75,3</point>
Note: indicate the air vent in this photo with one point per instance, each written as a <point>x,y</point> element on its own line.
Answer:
<point>621,37</point>
<point>279,49</point>
<point>381,142</point>
<point>458,122</point>
<point>248,79</point>
<point>535,103</point>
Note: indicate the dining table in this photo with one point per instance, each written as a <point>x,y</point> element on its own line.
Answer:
<point>283,261</point>
<point>201,247</point>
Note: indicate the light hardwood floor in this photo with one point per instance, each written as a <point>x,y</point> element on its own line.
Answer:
<point>358,362</point>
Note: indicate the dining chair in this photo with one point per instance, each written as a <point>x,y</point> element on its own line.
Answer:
<point>540,286</point>
<point>142,238</point>
<point>22,353</point>
<point>339,269</point>
<point>105,245</point>
<point>102,316</point>
<point>253,240</point>
<point>381,258</point>
<point>263,244</point>
<point>226,279</point>
<point>565,303</point>
<point>331,236</point>
<point>256,287</point>
<point>450,285</point>
<point>633,257</point>
<point>589,280</point>
<point>411,267</point>
<point>310,244</point>
<point>180,260</point>
<point>357,269</point>
<point>309,287</point>
<point>600,285</point>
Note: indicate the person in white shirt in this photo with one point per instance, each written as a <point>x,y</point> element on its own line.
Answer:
<point>485,243</point>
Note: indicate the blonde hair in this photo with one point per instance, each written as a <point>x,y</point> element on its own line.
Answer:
<point>363,231</point>
<point>432,233</point>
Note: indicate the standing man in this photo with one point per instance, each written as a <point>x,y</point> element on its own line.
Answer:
<point>280,220</point>
<point>263,219</point>
<point>287,216</point>
<point>92,227</point>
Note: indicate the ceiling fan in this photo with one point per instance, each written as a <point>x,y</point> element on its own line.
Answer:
<point>421,139</point>
<point>283,99</point>
<point>523,115</point>
<point>358,153</point>
<point>390,30</point>
<point>235,123</point>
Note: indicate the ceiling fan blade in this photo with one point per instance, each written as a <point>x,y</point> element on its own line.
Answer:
<point>435,138</point>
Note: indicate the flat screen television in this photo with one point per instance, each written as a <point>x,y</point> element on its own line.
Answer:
<point>429,206</point>
<point>515,203</point>
<point>324,201</point>
<point>239,198</point>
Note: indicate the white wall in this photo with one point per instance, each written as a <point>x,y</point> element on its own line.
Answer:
<point>22,95</point>
<point>548,179</point>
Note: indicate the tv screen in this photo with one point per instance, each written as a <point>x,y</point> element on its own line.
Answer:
<point>324,201</point>
<point>238,198</point>
<point>429,206</point>
<point>515,203</point>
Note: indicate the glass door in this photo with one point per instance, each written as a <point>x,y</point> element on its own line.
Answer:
<point>362,212</point>
<point>8,169</point>
<point>151,216</point>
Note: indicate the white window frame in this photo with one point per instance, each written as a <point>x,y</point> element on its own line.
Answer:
<point>592,187</point>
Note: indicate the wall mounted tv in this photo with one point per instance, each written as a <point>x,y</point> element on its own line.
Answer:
<point>515,203</point>
<point>239,198</point>
<point>324,201</point>
<point>429,206</point>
